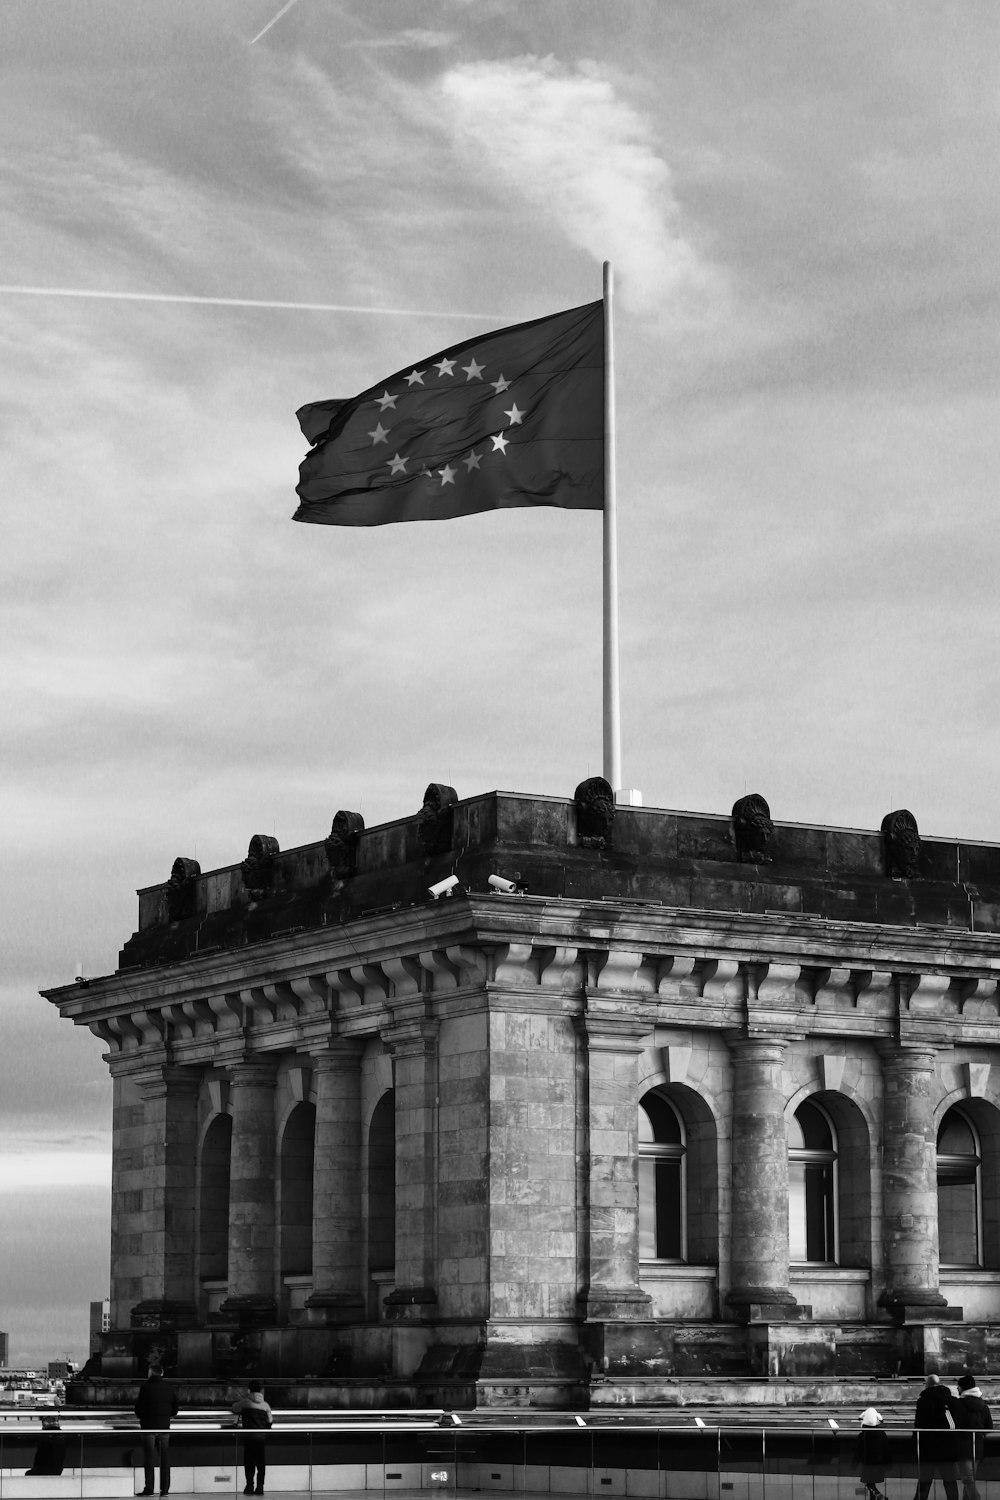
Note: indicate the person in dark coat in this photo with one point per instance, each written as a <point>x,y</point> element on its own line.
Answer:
<point>934,1423</point>
<point>975,1418</point>
<point>156,1406</point>
<point>872,1453</point>
<point>50,1455</point>
<point>255,1417</point>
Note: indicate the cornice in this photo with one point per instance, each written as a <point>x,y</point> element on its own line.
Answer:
<point>660,965</point>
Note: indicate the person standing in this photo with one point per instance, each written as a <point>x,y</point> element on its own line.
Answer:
<point>935,1420</point>
<point>156,1406</point>
<point>872,1453</point>
<point>255,1417</point>
<point>975,1418</point>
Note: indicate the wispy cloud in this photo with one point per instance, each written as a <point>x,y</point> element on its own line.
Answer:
<point>564,139</point>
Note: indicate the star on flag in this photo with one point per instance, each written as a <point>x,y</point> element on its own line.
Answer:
<point>456,447</point>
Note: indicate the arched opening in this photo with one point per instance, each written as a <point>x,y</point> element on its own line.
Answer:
<point>213,1204</point>
<point>813,1228</point>
<point>959,1189</point>
<point>381,1195</point>
<point>662,1149</point>
<point>678,1177</point>
<point>296,1191</point>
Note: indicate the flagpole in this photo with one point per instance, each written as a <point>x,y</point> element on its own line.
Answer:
<point>612,706</point>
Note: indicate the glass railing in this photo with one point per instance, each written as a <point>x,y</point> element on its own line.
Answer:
<point>378,1455</point>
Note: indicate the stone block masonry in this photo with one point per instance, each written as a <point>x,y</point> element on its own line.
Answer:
<point>705,1095</point>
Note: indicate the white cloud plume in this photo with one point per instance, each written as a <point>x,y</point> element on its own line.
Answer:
<point>566,141</point>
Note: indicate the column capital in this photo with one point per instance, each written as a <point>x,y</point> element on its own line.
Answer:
<point>614,1031</point>
<point>904,1057</point>
<point>253,1073</point>
<point>166,1081</point>
<point>414,1036</point>
<point>756,1047</point>
<point>338,1054</point>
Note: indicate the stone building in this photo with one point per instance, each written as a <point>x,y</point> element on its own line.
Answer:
<point>686,1096</point>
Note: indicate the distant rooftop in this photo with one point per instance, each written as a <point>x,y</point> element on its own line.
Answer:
<point>580,848</point>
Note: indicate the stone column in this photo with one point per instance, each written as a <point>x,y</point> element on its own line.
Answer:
<point>909,1185</point>
<point>760,1290</point>
<point>169,1148</point>
<point>337,1237</point>
<point>414,1047</point>
<point>613,1046</point>
<point>251,1194</point>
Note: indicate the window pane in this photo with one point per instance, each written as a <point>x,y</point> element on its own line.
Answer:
<point>810,1212</point>
<point>660,1119</point>
<point>659,1209</point>
<point>958,1241</point>
<point>819,1212</point>
<point>955,1137</point>
<point>797,1210</point>
<point>668,1210</point>
<point>816,1134</point>
<point>647,1208</point>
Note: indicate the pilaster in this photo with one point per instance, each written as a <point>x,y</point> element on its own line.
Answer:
<point>909,1191</point>
<point>251,1295</point>
<point>337,1228</point>
<point>760,1282</point>
<point>613,1042</point>
<point>414,1045</point>
<point>169,1128</point>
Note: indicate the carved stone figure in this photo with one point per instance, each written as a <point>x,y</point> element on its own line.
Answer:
<point>342,844</point>
<point>902,845</point>
<point>181,888</point>
<point>434,826</point>
<point>595,813</point>
<point>258,867</point>
<point>752,830</point>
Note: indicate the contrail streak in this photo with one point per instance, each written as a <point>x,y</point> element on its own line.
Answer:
<point>336,307</point>
<point>271,22</point>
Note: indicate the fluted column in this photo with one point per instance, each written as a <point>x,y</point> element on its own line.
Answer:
<point>613,1044</point>
<point>169,1096</point>
<point>909,1183</point>
<point>337,1237</point>
<point>251,1193</point>
<point>760,1283</point>
<point>414,1046</point>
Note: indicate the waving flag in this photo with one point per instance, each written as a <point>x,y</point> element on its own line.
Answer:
<point>514,417</point>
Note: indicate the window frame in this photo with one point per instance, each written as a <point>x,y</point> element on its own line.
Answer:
<point>811,1157</point>
<point>658,1151</point>
<point>955,1161</point>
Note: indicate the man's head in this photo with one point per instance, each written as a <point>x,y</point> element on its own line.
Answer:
<point>967,1383</point>
<point>155,1373</point>
<point>255,1387</point>
<point>932,1380</point>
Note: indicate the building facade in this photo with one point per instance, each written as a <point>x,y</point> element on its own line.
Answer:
<point>675,1097</point>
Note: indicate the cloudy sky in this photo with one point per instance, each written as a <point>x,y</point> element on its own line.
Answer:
<point>800,201</point>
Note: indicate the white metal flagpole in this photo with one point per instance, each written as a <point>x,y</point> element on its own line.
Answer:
<point>612,706</point>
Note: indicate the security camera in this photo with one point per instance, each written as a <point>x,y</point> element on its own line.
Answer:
<point>502,886</point>
<point>443,887</point>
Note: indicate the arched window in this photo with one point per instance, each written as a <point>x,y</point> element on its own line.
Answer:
<point>662,1149</point>
<point>213,1217</point>
<point>812,1186</point>
<point>382,1185</point>
<point>296,1196</point>
<point>959,1164</point>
